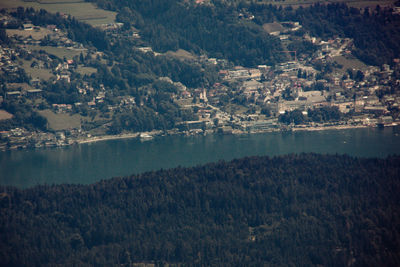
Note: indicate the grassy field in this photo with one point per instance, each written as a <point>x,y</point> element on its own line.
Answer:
<point>83,11</point>
<point>86,70</point>
<point>59,52</point>
<point>180,54</point>
<point>273,27</point>
<point>35,34</point>
<point>371,4</point>
<point>59,122</point>
<point>40,74</point>
<point>233,108</point>
<point>4,115</point>
<point>351,63</point>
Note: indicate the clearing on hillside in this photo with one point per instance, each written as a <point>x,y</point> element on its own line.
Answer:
<point>273,27</point>
<point>180,54</point>
<point>35,34</point>
<point>37,73</point>
<point>86,70</point>
<point>58,122</point>
<point>4,115</point>
<point>350,63</point>
<point>59,52</point>
<point>81,10</point>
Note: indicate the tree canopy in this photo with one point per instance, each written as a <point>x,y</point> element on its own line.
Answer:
<point>299,210</point>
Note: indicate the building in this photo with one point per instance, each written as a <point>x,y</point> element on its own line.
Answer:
<point>34,93</point>
<point>347,84</point>
<point>260,125</point>
<point>28,26</point>
<point>13,94</point>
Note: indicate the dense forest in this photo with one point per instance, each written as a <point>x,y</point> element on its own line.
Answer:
<point>294,210</point>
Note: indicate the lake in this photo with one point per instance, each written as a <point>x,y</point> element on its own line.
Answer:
<point>88,163</point>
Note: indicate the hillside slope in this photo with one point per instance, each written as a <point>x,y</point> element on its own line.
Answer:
<point>295,210</point>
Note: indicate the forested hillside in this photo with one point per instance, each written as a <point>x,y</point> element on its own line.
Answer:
<point>218,28</point>
<point>212,29</point>
<point>295,210</point>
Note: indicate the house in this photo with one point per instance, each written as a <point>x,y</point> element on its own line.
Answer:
<point>146,49</point>
<point>64,77</point>
<point>92,103</point>
<point>35,82</point>
<point>28,27</point>
<point>344,107</point>
<point>313,96</point>
<point>348,83</point>
<point>260,125</point>
<point>255,74</point>
<point>239,74</point>
<point>186,94</point>
<point>51,27</point>
<point>385,119</point>
<point>376,109</point>
<point>264,68</point>
<point>291,105</point>
<point>34,93</point>
<point>336,80</point>
<point>371,100</point>
<point>223,74</point>
<point>251,87</point>
<point>190,125</point>
<point>13,94</point>
<point>62,107</point>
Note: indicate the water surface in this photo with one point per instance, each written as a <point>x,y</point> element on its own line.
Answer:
<point>88,163</point>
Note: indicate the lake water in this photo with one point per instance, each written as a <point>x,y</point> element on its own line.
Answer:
<point>88,163</point>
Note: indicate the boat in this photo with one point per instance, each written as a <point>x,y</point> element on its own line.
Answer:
<point>145,137</point>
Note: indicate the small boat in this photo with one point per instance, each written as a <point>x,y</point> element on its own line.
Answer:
<point>145,137</point>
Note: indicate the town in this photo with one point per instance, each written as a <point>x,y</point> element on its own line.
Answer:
<point>324,89</point>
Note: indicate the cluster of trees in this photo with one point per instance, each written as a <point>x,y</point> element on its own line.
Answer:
<point>3,37</point>
<point>164,116</point>
<point>295,210</point>
<point>323,114</point>
<point>62,92</point>
<point>23,114</point>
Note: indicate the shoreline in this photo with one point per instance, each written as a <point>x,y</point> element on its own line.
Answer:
<point>335,127</point>
<point>238,132</point>
<point>107,138</point>
<point>158,133</point>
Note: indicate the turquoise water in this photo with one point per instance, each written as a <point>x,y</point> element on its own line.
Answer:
<point>88,163</point>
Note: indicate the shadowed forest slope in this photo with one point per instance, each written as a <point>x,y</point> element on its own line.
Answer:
<point>294,210</point>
